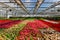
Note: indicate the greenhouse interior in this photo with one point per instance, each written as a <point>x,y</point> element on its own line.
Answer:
<point>29,19</point>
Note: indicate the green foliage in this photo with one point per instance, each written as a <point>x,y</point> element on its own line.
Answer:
<point>11,33</point>
<point>23,18</point>
<point>2,18</point>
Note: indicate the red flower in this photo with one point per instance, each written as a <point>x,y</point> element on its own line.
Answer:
<point>8,23</point>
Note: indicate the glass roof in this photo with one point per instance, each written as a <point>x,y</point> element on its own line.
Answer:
<point>29,4</point>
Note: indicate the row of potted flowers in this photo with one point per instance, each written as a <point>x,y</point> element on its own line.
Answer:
<point>31,30</point>
<point>8,23</point>
<point>53,24</point>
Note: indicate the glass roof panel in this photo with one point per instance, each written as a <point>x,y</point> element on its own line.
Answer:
<point>51,0</point>
<point>29,4</point>
<point>29,0</point>
<point>45,5</point>
<point>41,8</point>
<point>31,8</point>
<point>11,4</point>
<point>4,0</point>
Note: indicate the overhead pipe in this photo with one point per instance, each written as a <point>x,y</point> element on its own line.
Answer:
<point>19,2</point>
<point>38,4</point>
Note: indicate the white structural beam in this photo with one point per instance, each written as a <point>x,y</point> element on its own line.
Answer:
<point>39,2</point>
<point>19,2</point>
<point>52,6</point>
